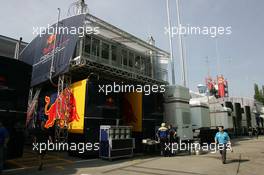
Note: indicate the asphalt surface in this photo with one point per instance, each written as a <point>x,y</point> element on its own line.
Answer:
<point>247,159</point>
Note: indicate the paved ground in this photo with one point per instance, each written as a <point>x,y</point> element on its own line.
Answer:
<point>247,159</point>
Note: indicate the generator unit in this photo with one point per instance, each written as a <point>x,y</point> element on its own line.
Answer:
<point>177,111</point>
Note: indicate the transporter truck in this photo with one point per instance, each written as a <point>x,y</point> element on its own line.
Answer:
<point>67,72</point>
<point>91,108</point>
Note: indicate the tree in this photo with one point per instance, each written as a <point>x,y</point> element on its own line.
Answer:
<point>259,93</point>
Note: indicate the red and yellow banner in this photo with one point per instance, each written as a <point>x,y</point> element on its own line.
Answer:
<point>69,106</point>
<point>79,92</point>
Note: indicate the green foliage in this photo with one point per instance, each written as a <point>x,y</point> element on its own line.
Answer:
<point>259,93</point>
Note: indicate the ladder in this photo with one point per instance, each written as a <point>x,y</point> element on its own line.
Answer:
<point>32,104</point>
<point>63,108</point>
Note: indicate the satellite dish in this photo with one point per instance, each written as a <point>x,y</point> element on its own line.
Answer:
<point>77,8</point>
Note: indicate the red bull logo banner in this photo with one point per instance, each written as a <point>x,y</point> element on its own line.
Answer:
<point>132,110</point>
<point>59,47</point>
<point>68,108</point>
<point>50,44</point>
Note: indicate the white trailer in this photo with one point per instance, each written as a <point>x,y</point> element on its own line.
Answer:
<point>221,118</point>
<point>244,119</point>
<point>200,116</point>
<point>253,120</point>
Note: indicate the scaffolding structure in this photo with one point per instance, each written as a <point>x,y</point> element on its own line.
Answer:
<point>63,108</point>
<point>85,63</point>
<point>32,105</point>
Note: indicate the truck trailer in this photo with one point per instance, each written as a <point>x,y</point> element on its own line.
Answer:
<point>69,71</point>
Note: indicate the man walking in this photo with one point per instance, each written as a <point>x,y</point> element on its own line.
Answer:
<point>41,136</point>
<point>257,132</point>
<point>162,135</point>
<point>223,139</point>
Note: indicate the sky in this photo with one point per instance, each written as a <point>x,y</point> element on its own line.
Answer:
<point>239,55</point>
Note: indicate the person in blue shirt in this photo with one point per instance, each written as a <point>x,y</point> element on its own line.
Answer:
<point>4,138</point>
<point>222,138</point>
<point>163,134</point>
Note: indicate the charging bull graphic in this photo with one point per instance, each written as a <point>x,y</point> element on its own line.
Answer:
<point>63,109</point>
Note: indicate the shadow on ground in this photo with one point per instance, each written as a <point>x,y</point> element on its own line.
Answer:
<point>237,160</point>
<point>72,168</point>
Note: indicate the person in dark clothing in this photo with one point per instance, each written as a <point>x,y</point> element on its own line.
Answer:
<point>162,135</point>
<point>41,135</point>
<point>257,132</point>
<point>172,136</point>
<point>4,138</point>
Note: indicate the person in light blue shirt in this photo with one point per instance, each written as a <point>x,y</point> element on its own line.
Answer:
<point>222,138</point>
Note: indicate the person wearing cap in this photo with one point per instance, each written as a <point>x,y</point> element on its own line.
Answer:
<point>162,135</point>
